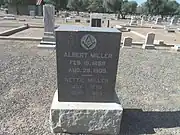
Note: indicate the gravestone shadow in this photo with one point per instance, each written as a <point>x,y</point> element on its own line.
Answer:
<point>135,121</point>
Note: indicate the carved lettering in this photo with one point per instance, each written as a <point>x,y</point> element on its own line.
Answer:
<point>75,55</point>
<point>74,80</point>
<point>100,70</point>
<point>75,62</point>
<point>76,86</point>
<point>97,80</point>
<point>74,70</point>
<point>77,92</point>
<point>101,55</point>
<point>99,63</point>
<point>97,93</point>
<point>85,55</point>
<point>96,87</point>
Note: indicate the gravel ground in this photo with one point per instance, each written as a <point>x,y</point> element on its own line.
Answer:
<point>147,85</point>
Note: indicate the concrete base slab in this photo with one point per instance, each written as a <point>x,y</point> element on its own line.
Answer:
<point>146,46</point>
<point>46,46</point>
<point>126,47</point>
<point>85,117</point>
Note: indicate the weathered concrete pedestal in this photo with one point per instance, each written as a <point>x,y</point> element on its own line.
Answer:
<point>48,41</point>
<point>85,117</point>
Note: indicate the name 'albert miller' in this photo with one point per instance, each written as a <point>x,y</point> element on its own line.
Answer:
<point>85,55</point>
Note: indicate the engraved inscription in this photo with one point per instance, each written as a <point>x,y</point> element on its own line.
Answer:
<point>85,55</point>
<point>80,64</point>
<point>87,61</point>
<point>74,80</point>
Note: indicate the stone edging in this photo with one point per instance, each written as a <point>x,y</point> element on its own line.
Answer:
<point>14,30</point>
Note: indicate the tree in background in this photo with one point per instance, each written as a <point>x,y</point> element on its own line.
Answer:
<point>96,6</point>
<point>114,6</point>
<point>78,5</point>
<point>161,7</point>
<point>2,2</point>
<point>128,7</point>
<point>59,4</point>
<point>121,7</point>
<point>132,6</point>
<point>171,8</point>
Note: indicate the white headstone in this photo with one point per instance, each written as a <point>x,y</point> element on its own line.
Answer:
<point>49,20</point>
<point>133,21</point>
<point>32,13</point>
<point>158,20</point>
<point>142,21</point>
<point>150,38</point>
<point>149,41</point>
<point>127,42</point>
<point>48,40</point>
<point>173,21</point>
<point>149,18</point>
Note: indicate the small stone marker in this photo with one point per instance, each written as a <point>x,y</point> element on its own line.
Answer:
<point>161,42</point>
<point>174,21</point>
<point>122,28</point>
<point>77,20</point>
<point>86,76</point>
<point>158,20</point>
<point>149,41</point>
<point>32,13</point>
<point>149,18</point>
<point>108,23</point>
<point>171,30</point>
<point>133,21</point>
<point>176,48</point>
<point>127,42</point>
<point>48,40</point>
<point>95,20</point>
<point>142,21</point>
<point>87,21</point>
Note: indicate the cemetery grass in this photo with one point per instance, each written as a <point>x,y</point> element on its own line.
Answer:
<point>147,86</point>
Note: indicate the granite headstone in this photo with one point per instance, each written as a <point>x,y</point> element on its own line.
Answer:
<point>87,61</point>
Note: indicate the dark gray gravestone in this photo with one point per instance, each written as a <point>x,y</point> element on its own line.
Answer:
<point>87,60</point>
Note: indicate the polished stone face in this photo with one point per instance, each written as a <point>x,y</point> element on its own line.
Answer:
<point>87,61</point>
